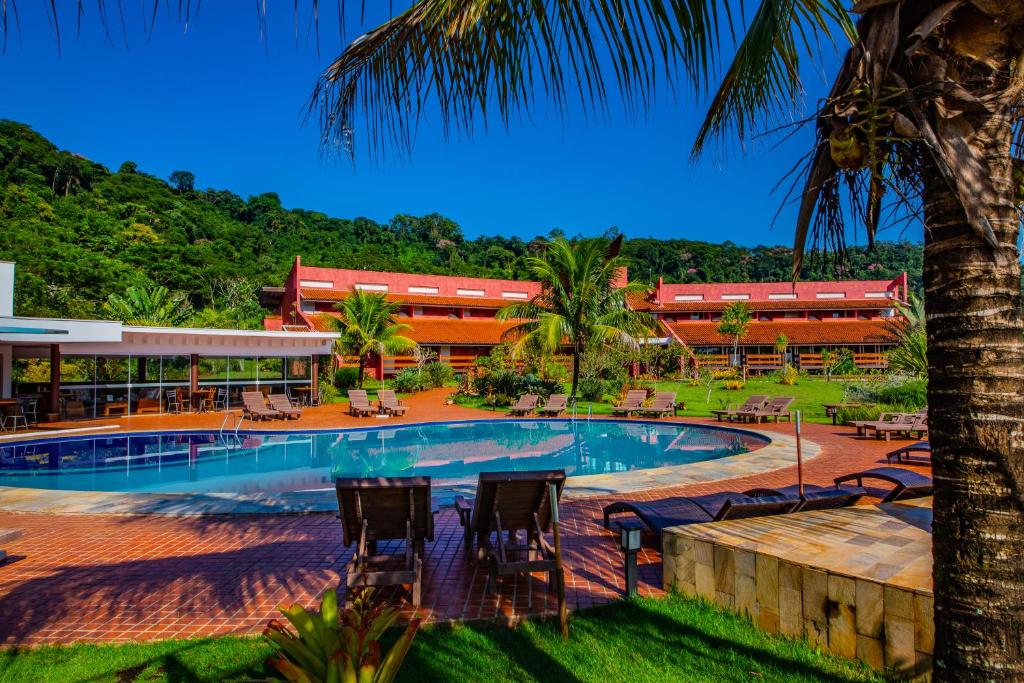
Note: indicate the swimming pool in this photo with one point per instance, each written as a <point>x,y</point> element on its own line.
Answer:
<point>264,462</point>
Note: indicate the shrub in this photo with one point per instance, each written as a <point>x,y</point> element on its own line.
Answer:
<point>328,393</point>
<point>733,384</point>
<point>346,378</point>
<point>726,373</point>
<point>508,383</point>
<point>407,381</point>
<point>895,390</point>
<point>437,375</point>
<point>595,389</point>
<point>788,376</point>
<point>870,412</point>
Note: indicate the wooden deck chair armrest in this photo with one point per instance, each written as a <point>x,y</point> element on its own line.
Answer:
<point>408,543</point>
<point>501,540</point>
<point>361,551</point>
<point>465,509</point>
<point>542,542</point>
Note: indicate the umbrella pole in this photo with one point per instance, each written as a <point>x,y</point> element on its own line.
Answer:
<point>799,460</point>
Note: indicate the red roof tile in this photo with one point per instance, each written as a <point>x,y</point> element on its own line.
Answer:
<point>798,332</point>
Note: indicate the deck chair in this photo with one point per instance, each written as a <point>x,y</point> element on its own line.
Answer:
<point>556,405</point>
<point>910,424</point>
<point>883,419</point>
<point>749,406</point>
<point>359,403</point>
<point>776,408</point>
<point>922,447</point>
<point>634,401</point>
<point>280,403</point>
<point>815,497</point>
<point>385,509</point>
<point>254,406</point>
<point>907,484</point>
<point>658,515</point>
<point>389,402</point>
<point>506,504</point>
<point>664,403</point>
<point>526,404</point>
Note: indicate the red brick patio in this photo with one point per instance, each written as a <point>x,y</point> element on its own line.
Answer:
<point>104,577</point>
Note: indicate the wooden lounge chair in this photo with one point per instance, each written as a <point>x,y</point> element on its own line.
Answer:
<point>254,406</point>
<point>911,424</point>
<point>680,510</point>
<point>359,403</point>
<point>749,406</point>
<point>527,403</point>
<point>280,403</point>
<point>883,419</point>
<point>776,408</point>
<point>907,484</point>
<point>634,401</point>
<point>385,509</point>
<point>555,406</point>
<point>815,497</point>
<point>922,447</point>
<point>389,403</point>
<point>506,504</point>
<point>7,535</point>
<point>664,403</point>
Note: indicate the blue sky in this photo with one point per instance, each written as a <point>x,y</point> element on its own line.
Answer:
<point>218,101</point>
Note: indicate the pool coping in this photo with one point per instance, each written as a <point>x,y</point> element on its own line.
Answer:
<point>778,453</point>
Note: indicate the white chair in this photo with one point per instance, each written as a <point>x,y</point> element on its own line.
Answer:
<point>174,403</point>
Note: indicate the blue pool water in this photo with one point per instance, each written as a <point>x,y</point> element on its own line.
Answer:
<point>451,453</point>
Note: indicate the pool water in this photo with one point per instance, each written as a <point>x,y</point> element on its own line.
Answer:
<point>451,453</point>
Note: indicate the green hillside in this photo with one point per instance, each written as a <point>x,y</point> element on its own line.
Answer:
<point>79,232</point>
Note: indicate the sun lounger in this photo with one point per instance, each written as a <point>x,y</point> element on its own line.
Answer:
<point>555,406</point>
<point>776,408</point>
<point>907,484</point>
<point>385,509</point>
<point>254,406</point>
<point>899,454</point>
<point>914,424</point>
<point>280,403</point>
<point>680,510</point>
<point>389,402</point>
<point>884,419</point>
<point>815,497</point>
<point>634,401</point>
<point>664,403</point>
<point>506,504</point>
<point>7,535</point>
<point>526,404</point>
<point>359,403</point>
<point>749,406</point>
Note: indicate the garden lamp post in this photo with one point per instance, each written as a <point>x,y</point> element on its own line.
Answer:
<point>629,542</point>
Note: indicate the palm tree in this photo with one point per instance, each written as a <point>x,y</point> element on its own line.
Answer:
<point>581,303</point>
<point>911,351</point>
<point>369,327</point>
<point>735,323</point>
<point>156,307</point>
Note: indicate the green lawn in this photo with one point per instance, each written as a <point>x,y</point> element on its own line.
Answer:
<point>811,394</point>
<point>671,639</point>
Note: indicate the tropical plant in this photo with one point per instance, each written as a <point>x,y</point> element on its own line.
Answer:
<point>582,302</point>
<point>833,360</point>
<point>789,376</point>
<point>910,355</point>
<point>735,323</point>
<point>369,327</point>
<point>781,344</point>
<point>407,381</point>
<point>337,646</point>
<point>155,306</point>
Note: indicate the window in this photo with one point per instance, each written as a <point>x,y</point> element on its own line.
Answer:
<point>317,284</point>
<point>735,297</point>
<point>298,368</point>
<point>688,297</point>
<point>308,306</point>
<point>515,295</point>
<point>469,292</point>
<point>271,369</point>
<point>371,287</point>
<point>877,295</point>
<point>423,290</point>
<point>782,297</point>
<point>831,295</point>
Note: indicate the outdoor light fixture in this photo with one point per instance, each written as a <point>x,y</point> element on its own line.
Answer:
<point>629,541</point>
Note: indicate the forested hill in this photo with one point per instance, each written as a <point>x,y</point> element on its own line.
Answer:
<point>79,232</point>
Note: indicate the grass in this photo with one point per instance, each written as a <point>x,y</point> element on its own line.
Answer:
<point>811,394</point>
<point>669,639</point>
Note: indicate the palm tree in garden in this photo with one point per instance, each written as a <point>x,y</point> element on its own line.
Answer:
<point>369,327</point>
<point>150,306</point>
<point>924,118</point>
<point>581,302</point>
<point>911,351</point>
<point>735,324</point>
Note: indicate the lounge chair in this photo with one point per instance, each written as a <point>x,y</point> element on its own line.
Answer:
<point>815,497</point>
<point>634,401</point>
<point>527,403</point>
<point>664,403</point>
<point>7,535</point>
<point>883,419</point>
<point>776,408</point>
<point>907,484</point>
<point>912,424</point>
<point>657,515</point>
<point>899,454</point>
<point>389,402</point>
<point>505,504</point>
<point>254,406</point>
<point>385,509</point>
<point>555,406</point>
<point>749,406</point>
<point>359,403</point>
<point>280,403</point>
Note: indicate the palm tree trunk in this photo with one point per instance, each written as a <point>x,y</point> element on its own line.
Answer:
<point>575,372</point>
<point>976,418</point>
<point>362,369</point>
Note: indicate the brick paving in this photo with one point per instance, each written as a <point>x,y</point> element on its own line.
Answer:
<point>122,577</point>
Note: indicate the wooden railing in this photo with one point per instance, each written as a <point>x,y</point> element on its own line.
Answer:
<point>811,361</point>
<point>713,360</point>
<point>871,361</point>
<point>764,361</point>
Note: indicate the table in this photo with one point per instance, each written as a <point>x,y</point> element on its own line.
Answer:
<point>304,394</point>
<point>832,409</point>
<point>120,406</point>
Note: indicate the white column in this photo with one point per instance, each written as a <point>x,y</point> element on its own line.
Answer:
<point>6,354</point>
